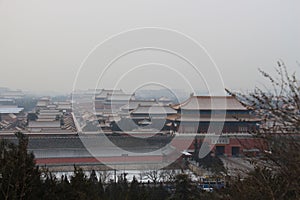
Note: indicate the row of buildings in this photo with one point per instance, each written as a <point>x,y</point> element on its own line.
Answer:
<point>195,115</point>
<point>12,116</point>
<point>116,106</point>
<point>51,117</point>
<point>45,116</point>
<point>114,111</point>
<point>223,117</point>
<point>6,93</point>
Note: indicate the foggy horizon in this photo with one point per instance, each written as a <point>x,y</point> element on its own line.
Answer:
<point>43,44</point>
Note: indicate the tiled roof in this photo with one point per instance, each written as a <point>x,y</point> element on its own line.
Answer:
<point>210,103</point>
<point>43,124</point>
<point>7,100</point>
<point>135,103</point>
<point>41,103</point>
<point>8,106</point>
<point>46,116</point>
<point>49,111</point>
<point>154,109</point>
<point>208,119</point>
<point>4,110</point>
<point>64,107</point>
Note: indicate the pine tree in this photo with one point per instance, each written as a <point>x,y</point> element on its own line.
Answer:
<point>19,177</point>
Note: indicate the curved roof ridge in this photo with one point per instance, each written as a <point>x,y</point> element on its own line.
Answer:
<point>211,103</point>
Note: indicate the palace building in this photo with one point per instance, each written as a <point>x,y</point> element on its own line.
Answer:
<point>202,114</point>
<point>225,119</point>
<point>153,114</point>
<point>108,101</point>
<point>108,104</point>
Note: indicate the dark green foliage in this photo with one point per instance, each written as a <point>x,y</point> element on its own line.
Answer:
<point>20,178</point>
<point>186,189</point>
<point>134,189</point>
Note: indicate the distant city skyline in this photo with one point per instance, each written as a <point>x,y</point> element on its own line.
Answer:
<point>44,43</point>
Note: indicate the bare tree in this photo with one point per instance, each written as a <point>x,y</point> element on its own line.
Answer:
<point>153,175</point>
<point>104,176</point>
<point>277,171</point>
<point>168,175</point>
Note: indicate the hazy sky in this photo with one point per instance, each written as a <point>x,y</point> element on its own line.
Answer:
<point>43,43</point>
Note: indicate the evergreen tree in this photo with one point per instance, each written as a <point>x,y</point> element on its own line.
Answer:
<point>134,189</point>
<point>79,184</point>
<point>184,188</point>
<point>19,177</point>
